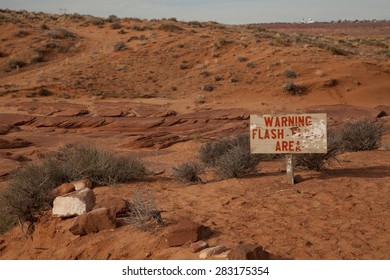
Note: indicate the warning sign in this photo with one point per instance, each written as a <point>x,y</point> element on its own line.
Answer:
<point>288,134</point>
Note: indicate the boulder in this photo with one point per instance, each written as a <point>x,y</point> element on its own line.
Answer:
<point>206,253</point>
<point>74,204</point>
<point>248,252</point>
<point>94,221</point>
<point>187,231</point>
<point>63,189</point>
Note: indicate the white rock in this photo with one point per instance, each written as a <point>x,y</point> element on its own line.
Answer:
<point>74,204</point>
<point>204,254</point>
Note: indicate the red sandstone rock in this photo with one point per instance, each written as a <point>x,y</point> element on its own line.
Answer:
<point>94,221</point>
<point>248,252</point>
<point>187,231</point>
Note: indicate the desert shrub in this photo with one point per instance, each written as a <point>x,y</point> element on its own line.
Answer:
<point>251,64</point>
<point>241,58</point>
<point>290,74</point>
<point>236,162</point>
<point>316,161</point>
<point>112,18</point>
<point>44,92</point>
<point>61,33</point>
<point>45,27</point>
<point>15,64</point>
<point>132,38</point>
<point>141,211</point>
<point>231,156</point>
<point>119,46</point>
<point>218,77</point>
<point>188,172</point>
<point>361,135</point>
<point>39,57</point>
<point>337,51</point>
<point>21,33</point>
<point>115,25</point>
<point>208,87</point>
<point>136,28</point>
<point>28,191</point>
<point>51,45</point>
<point>102,167</point>
<point>211,151</point>
<point>293,89</point>
<point>7,220</point>
<point>29,188</point>
<point>170,27</point>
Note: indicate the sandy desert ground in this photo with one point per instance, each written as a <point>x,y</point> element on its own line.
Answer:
<point>170,87</point>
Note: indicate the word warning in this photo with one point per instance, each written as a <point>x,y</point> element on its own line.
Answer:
<point>288,134</point>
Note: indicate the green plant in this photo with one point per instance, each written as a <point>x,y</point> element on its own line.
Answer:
<point>361,135</point>
<point>188,172</point>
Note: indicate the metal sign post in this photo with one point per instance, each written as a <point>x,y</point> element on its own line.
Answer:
<point>290,169</point>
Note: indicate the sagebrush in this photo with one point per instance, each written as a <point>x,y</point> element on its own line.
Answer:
<point>230,156</point>
<point>361,135</point>
<point>29,188</point>
<point>142,212</point>
<point>188,172</point>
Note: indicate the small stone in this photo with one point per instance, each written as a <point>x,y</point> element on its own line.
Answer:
<point>198,246</point>
<point>63,189</point>
<point>206,253</point>
<point>248,252</point>
<point>82,184</point>
<point>298,179</point>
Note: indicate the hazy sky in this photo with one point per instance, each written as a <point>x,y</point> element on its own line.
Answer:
<point>224,11</point>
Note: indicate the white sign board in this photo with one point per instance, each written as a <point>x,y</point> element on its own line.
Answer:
<point>288,134</point>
